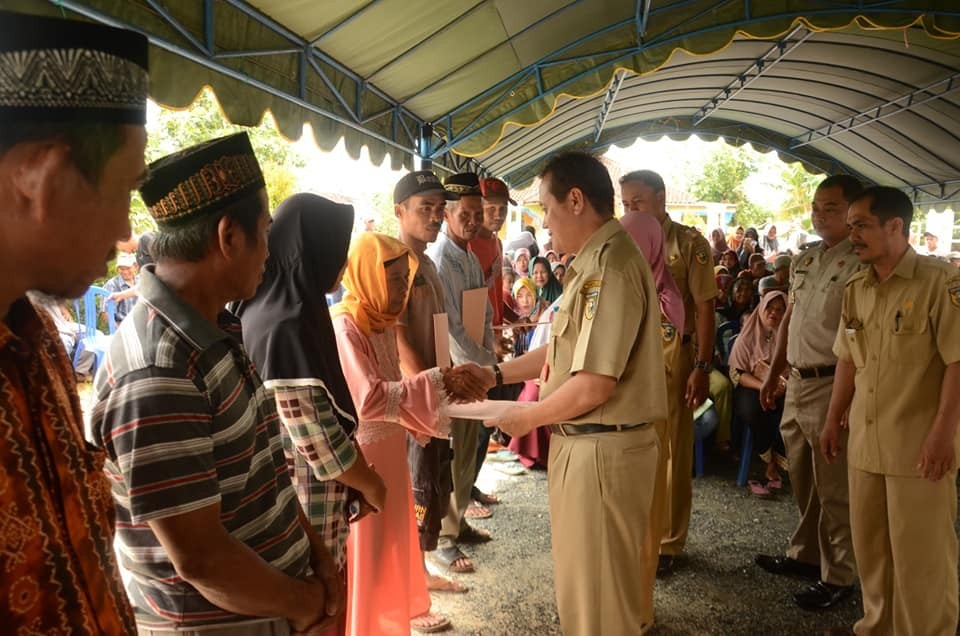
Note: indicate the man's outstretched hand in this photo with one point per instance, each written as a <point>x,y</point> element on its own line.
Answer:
<point>468,382</point>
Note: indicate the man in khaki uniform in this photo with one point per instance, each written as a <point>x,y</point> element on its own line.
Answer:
<point>899,350</point>
<point>602,384</point>
<point>820,548</point>
<point>689,258</point>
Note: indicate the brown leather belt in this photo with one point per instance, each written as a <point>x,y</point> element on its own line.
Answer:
<point>568,430</point>
<point>816,372</point>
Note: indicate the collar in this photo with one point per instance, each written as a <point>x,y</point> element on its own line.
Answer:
<point>23,324</point>
<point>666,224</point>
<point>906,268</point>
<point>183,318</point>
<point>842,247</point>
<point>597,240</point>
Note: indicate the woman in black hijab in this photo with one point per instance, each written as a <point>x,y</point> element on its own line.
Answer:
<point>289,336</point>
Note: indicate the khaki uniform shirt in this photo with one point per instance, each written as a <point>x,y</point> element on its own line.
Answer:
<point>609,323</point>
<point>900,334</point>
<point>818,277</point>
<point>690,261</point>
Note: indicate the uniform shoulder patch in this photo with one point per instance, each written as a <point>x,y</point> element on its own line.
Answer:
<point>701,256</point>
<point>953,290</point>
<point>591,296</point>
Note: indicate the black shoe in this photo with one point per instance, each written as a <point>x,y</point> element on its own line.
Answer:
<point>820,596</point>
<point>785,566</point>
<point>665,565</point>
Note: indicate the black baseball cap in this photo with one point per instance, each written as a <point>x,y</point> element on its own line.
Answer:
<point>418,183</point>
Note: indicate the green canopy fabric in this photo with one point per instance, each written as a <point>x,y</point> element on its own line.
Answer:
<point>509,83</point>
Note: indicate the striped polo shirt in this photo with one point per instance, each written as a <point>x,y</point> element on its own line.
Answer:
<point>186,423</point>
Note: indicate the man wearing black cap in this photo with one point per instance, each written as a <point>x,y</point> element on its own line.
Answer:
<point>460,271</point>
<point>72,139</point>
<point>210,526</point>
<point>419,202</point>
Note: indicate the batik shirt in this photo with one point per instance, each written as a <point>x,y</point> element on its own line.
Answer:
<point>187,423</point>
<point>58,573</point>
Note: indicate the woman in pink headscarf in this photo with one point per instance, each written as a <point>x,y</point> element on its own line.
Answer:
<point>648,234</point>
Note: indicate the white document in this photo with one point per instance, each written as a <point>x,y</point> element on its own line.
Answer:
<point>441,339</point>
<point>485,410</point>
<point>474,312</point>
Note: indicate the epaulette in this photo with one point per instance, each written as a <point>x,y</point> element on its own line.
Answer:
<point>807,246</point>
<point>858,276</point>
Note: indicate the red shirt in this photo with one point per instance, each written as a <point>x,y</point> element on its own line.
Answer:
<point>489,252</point>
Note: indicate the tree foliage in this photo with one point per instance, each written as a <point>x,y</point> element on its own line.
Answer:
<point>722,179</point>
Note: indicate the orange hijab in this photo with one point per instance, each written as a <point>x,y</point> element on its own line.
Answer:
<point>365,278</point>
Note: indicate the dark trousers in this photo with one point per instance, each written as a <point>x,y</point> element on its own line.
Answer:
<point>765,425</point>
<point>432,484</point>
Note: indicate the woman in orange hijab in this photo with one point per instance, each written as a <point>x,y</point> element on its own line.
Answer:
<point>387,588</point>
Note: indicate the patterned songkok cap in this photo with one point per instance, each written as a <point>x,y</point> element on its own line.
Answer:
<point>463,184</point>
<point>204,178</point>
<point>54,70</point>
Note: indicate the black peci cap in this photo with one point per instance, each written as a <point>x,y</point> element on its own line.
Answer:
<point>463,184</point>
<point>203,178</point>
<point>54,70</point>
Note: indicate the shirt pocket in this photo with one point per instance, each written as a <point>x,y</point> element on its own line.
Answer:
<point>856,343</point>
<point>559,338</point>
<point>909,340</point>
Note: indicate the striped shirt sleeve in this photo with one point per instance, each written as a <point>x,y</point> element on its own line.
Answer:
<point>315,431</point>
<point>158,427</point>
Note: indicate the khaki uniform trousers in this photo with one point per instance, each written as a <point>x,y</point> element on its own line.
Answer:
<point>822,536</point>
<point>600,490</point>
<point>673,492</point>
<point>465,435</point>
<point>906,544</point>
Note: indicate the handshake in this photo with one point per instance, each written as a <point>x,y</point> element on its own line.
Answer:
<point>468,382</point>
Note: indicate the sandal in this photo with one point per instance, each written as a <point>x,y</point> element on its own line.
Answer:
<point>759,490</point>
<point>437,583</point>
<point>477,511</point>
<point>474,536</point>
<point>486,499</point>
<point>774,484</point>
<point>430,623</point>
<point>513,469</point>
<point>504,455</point>
<point>449,557</point>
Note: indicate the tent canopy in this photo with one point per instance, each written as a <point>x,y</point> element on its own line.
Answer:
<point>865,87</point>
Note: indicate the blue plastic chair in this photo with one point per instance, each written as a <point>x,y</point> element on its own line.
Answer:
<point>89,339</point>
<point>725,335</point>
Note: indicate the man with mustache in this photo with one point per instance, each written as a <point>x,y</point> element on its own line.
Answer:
<point>72,139</point>
<point>898,372</point>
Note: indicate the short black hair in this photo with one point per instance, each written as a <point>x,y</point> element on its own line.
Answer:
<point>647,177</point>
<point>91,145</point>
<point>191,241</point>
<point>850,186</point>
<point>888,203</point>
<point>585,172</point>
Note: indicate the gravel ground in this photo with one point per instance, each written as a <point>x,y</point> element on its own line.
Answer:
<point>715,590</point>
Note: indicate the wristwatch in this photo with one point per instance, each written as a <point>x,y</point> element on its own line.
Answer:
<point>705,366</point>
<point>498,375</point>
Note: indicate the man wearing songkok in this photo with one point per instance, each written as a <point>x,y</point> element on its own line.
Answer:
<point>72,138</point>
<point>460,272</point>
<point>209,529</point>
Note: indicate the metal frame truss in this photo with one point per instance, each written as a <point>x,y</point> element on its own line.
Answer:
<point>607,105</point>
<point>764,63</point>
<point>201,49</point>
<point>611,58</point>
<point>874,114</point>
